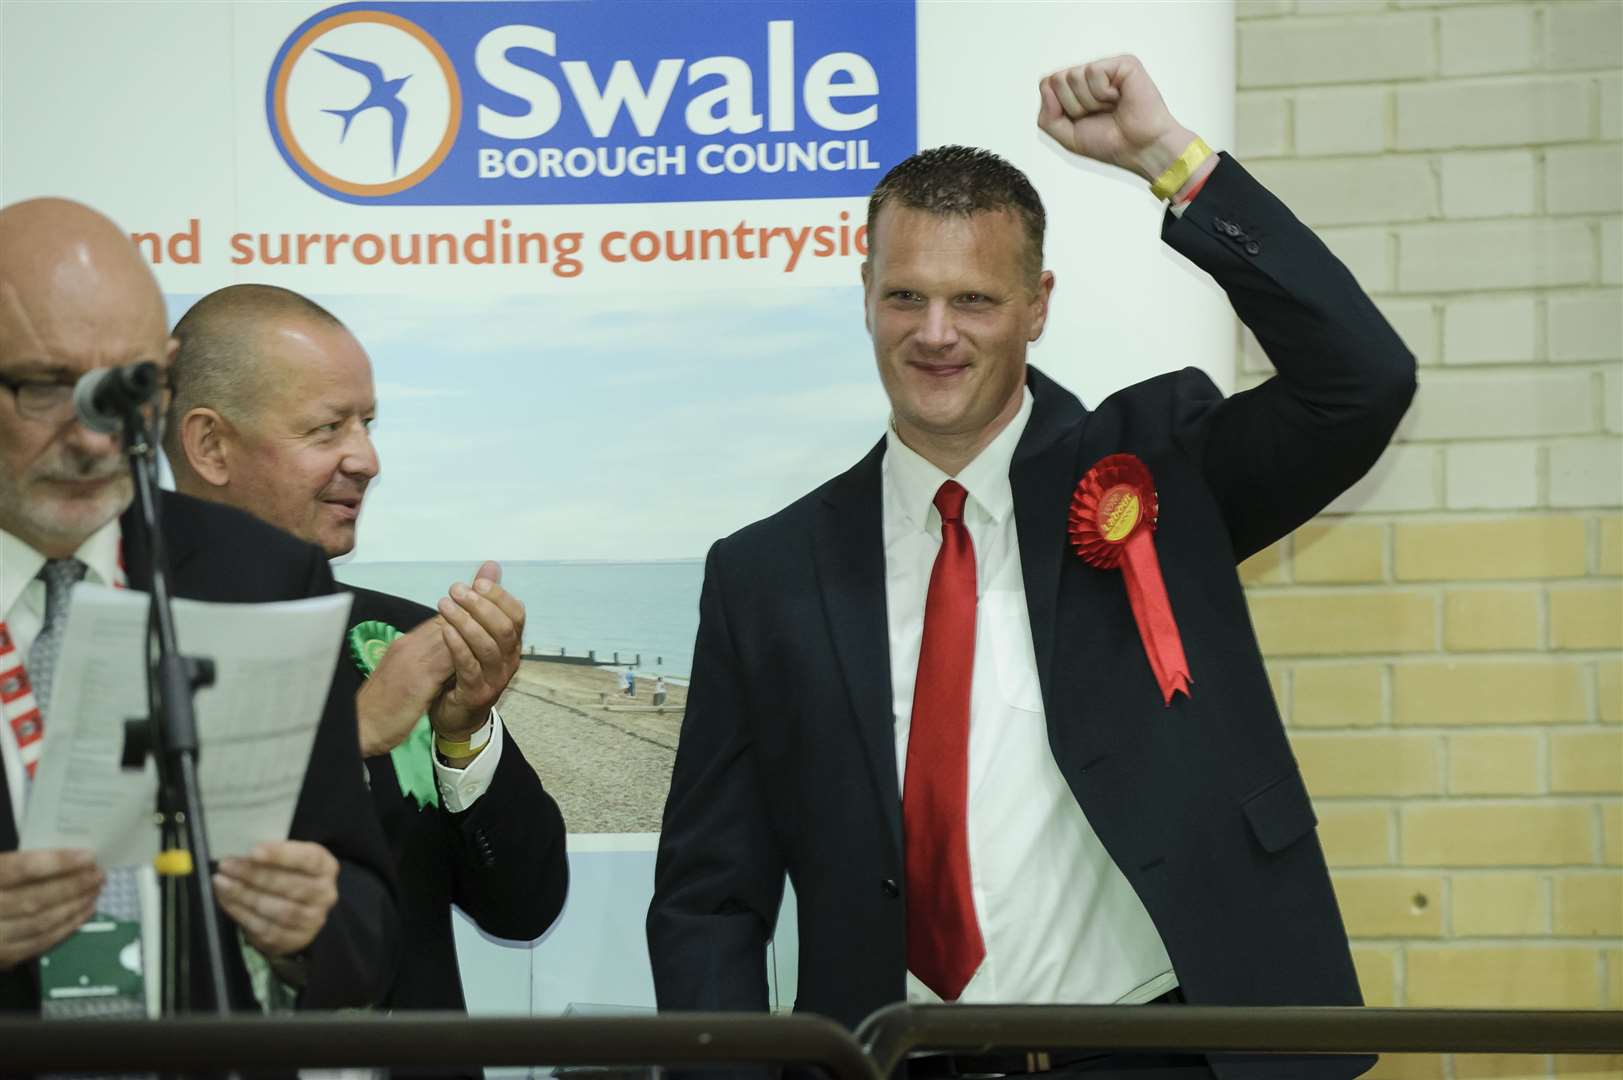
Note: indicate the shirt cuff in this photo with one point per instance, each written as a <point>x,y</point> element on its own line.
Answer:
<point>461,788</point>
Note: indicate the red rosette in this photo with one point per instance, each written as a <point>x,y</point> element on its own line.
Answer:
<point>1113,515</point>
<point>1113,501</point>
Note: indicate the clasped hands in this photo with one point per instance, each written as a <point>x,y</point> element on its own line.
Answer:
<point>454,667</point>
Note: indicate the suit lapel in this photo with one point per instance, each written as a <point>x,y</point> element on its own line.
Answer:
<point>849,552</point>
<point>1041,476</point>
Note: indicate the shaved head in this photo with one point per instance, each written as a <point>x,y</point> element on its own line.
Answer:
<point>273,399</point>
<point>75,295</point>
<point>221,364</point>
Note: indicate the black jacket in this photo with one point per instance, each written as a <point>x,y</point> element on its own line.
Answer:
<point>787,761</point>
<point>501,861</point>
<point>220,554</point>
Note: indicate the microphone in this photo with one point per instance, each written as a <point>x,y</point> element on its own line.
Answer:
<point>103,397</point>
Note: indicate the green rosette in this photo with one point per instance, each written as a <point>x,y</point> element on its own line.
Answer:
<point>413,759</point>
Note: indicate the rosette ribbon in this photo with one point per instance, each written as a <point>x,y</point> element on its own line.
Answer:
<point>1112,519</point>
<point>413,759</point>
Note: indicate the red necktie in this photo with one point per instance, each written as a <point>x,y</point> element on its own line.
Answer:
<point>944,945</point>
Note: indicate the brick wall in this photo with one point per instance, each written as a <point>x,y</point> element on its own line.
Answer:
<point>1445,641</point>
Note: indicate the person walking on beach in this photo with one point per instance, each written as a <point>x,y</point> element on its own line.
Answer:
<point>659,690</point>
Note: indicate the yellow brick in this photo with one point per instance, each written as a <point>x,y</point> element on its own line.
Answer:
<point>1266,567</point>
<point>1355,835</point>
<point>1494,764</point>
<point>1501,1066</point>
<point>1368,764</point>
<point>1610,563</point>
<point>1498,905</point>
<point>1507,548</point>
<point>1589,904</point>
<point>1501,977</point>
<point>1339,695</point>
<point>1390,905</point>
<point>1377,973</point>
<point>1612,826</point>
<point>1586,761</point>
<point>1484,619</point>
<point>1340,552</point>
<point>1340,623</point>
<point>1407,1067</point>
<point>1614,978</point>
<point>1515,834</point>
<point>1489,692</point>
<point>1590,1066</point>
<point>1609,690</point>
<point>1590,617</point>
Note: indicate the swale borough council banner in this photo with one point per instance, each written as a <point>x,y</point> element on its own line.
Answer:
<point>604,257</point>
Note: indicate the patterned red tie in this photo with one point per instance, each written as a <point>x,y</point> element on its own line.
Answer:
<point>944,945</point>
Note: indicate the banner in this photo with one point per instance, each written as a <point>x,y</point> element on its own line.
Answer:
<point>604,257</point>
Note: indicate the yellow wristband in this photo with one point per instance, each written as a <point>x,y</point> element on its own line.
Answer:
<point>1178,173</point>
<point>465,747</point>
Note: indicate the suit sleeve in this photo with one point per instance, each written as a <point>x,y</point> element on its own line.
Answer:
<point>511,873</point>
<point>352,959</point>
<point>718,880</point>
<point>1277,454</point>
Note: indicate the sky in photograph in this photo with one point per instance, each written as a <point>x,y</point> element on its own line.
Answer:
<point>604,427</point>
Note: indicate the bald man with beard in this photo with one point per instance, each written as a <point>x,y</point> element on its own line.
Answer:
<point>319,906</point>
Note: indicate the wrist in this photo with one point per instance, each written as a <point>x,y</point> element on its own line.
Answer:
<point>456,724</point>
<point>456,750</point>
<point>1156,158</point>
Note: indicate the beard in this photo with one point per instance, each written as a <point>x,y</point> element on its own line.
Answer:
<point>64,498</point>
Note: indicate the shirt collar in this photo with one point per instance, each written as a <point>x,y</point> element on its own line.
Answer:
<point>986,478</point>
<point>20,563</point>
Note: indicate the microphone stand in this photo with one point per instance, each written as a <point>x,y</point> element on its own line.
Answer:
<point>169,735</point>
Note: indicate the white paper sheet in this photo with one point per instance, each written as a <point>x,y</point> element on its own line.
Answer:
<point>256,725</point>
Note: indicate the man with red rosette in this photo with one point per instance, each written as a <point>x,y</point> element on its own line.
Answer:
<point>991,698</point>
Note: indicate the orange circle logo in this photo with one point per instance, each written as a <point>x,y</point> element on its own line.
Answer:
<point>365,103</point>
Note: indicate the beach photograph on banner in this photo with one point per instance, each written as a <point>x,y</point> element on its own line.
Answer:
<point>596,446</point>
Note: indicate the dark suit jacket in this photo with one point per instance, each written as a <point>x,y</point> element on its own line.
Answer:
<point>501,861</point>
<point>787,760</point>
<point>222,555</point>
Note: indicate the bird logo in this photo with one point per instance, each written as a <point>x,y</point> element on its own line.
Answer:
<point>381,93</point>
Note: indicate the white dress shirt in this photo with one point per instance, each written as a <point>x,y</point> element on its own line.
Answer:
<point>22,607</point>
<point>1060,922</point>
<point>459,788</point>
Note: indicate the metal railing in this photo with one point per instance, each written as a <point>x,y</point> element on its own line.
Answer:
<point>892,1033</point>
<point>880,1044</point>
<point>337,1040</point>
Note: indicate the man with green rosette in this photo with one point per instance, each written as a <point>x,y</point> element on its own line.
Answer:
<point>273,401</point>
<point>991,698</point>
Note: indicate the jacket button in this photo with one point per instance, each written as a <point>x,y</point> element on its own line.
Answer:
<point>1252,247</point>
<point>1220,225</point>
<point>1231,228</point>
<point>890,888</point>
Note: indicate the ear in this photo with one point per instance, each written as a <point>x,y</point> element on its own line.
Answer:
<point>867,308</point>
<point>204,438</point>
<point>166,366</point>
<point>1039,305</point>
